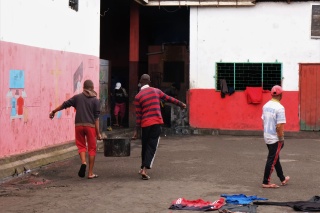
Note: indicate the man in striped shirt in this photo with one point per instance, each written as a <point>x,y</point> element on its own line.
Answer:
<point>149,119</point>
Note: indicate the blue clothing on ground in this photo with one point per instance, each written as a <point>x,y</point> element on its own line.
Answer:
<point>241,198</point>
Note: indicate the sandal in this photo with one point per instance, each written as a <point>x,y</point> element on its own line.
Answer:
<point>82,170</point>
<point>93,176</point>
<point>285,182</point>
<point>145,177</point>
<point>270,185</point>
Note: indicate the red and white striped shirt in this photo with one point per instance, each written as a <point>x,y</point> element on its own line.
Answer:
<point>147,103</point>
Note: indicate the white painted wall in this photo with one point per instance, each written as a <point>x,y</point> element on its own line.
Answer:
<point>264,33</point>
<point>51,24</point>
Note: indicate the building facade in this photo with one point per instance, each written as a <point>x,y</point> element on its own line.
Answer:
<point>47,50</point>
<point>269,43</point>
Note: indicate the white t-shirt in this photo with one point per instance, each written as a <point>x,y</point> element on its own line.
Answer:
<point>273,113</point>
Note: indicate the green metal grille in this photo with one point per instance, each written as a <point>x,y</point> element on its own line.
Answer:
<point>242,75</point>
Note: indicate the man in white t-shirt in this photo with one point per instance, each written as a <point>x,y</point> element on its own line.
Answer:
<point>274,118</point>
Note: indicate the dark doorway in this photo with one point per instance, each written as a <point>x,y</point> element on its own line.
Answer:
<point>159,26</point>
<point>164,46</point>
<point>114,45</point>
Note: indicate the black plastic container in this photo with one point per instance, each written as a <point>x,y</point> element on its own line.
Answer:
<point>116,147</point>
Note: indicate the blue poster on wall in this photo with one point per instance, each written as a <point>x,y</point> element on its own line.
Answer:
<point>16,79</point>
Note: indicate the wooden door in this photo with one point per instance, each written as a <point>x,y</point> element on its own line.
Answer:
<point>309,94</point>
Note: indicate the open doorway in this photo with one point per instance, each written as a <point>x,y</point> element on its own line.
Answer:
<point>163,46</point>
<point>114,47</point>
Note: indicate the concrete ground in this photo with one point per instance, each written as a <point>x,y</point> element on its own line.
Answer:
<point>187,166</point>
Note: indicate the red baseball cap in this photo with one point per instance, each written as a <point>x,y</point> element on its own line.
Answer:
<point>276,90</point>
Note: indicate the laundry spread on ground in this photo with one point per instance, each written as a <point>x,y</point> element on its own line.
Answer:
<point>241,198</point>
<point>197,205</point>
<point>229,208</point>
<point>312,205</point>
<point>229,203</point>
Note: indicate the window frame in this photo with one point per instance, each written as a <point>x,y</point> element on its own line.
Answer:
<point>315,22</point>
<point>234,84</point>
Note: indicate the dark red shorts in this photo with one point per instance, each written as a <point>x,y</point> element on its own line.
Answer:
<point>86,135</point>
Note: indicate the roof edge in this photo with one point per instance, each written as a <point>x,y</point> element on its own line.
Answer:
<point>198,3</point>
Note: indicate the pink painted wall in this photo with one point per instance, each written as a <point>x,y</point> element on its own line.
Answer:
<point>48,78</point>
<point>209,110</point>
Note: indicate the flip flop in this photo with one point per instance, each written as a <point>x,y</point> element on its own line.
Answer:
<point>270,186</point>
<point>145,177</point>
<point>93,176</point>
<point>285,182</point>
<point>82,170</point>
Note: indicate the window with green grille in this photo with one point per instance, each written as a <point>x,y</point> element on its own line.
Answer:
<point>242,75</point>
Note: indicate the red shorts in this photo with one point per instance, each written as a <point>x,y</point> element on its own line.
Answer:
<point>89,133</point>
<point>120,109</point>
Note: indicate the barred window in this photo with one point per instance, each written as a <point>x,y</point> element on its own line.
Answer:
<point>315,22</point>
<point>242,75</point>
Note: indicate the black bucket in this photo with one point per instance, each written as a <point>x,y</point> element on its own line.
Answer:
<point>116,147</point>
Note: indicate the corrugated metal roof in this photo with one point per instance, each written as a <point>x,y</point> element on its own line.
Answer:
<point>197,2</point>
<point>217,3</point>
